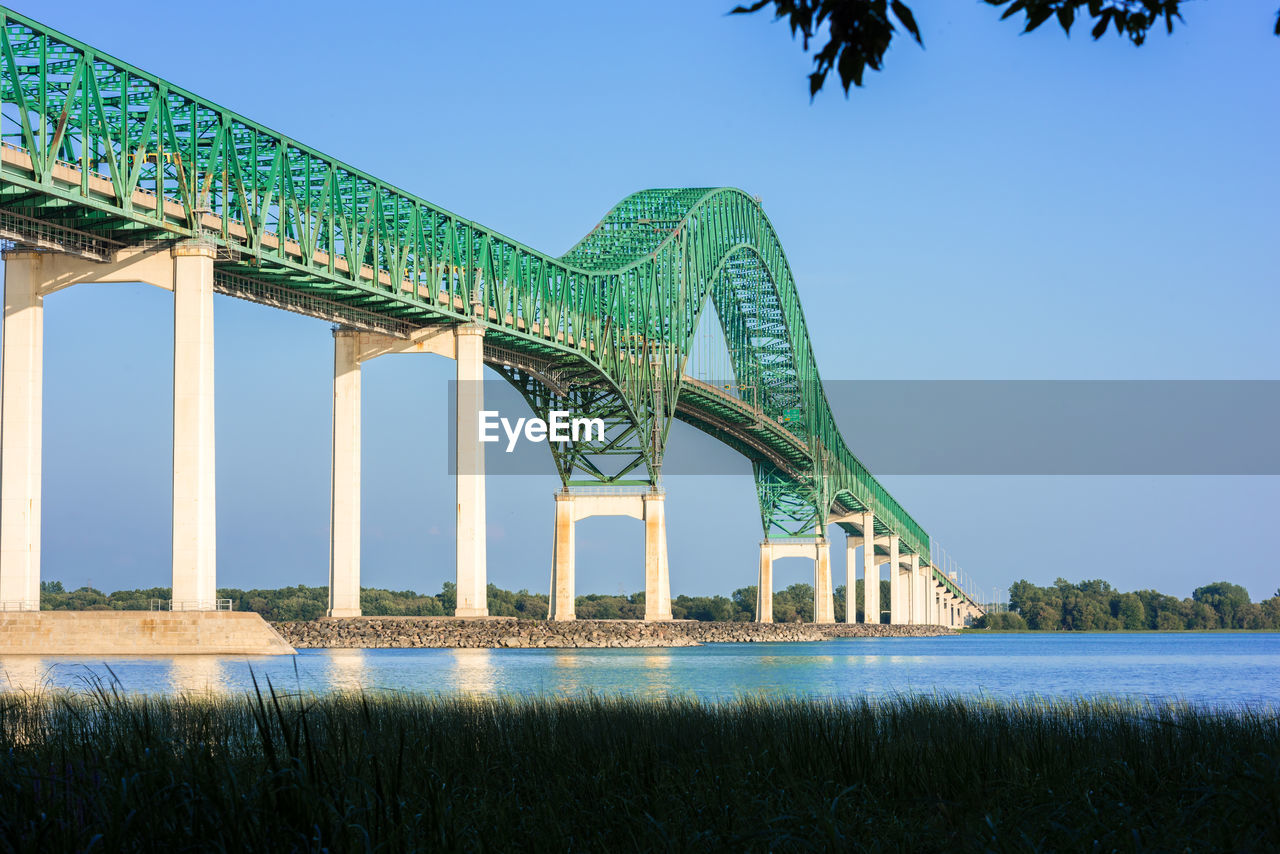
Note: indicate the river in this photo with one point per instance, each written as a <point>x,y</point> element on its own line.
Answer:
<point>1221,670</point>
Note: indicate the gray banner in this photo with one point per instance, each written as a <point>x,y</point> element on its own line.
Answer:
<point>986,427</point>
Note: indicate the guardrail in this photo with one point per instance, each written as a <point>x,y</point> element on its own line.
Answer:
<point>19,605</point>
<point>613,490</point>
<point>190,604</point>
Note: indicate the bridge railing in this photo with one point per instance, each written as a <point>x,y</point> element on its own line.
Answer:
<point>190,604</point>
<point>612,490</point>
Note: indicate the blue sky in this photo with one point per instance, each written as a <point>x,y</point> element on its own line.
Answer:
<point>995,206</point>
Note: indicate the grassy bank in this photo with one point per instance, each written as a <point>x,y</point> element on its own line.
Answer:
<point>387,772</point>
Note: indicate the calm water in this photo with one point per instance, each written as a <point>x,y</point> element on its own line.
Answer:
<point>1212,669</point>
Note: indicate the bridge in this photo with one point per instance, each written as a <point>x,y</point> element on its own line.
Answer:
<point>111,174</point>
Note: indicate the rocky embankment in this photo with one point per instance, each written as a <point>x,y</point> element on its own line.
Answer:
<point>413,632</point>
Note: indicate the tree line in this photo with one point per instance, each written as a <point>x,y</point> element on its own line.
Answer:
<point>790,604</point>
<point>1095,605</point>
<point>1087,606</point>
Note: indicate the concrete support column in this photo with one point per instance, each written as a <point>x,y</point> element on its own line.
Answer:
<point>824,606</point>
<point>898,601</point>
<point>930,595</point>
<point>870,571</point>
<point>562,589</point>
<point>21,405</point>
<point>764,588</point>
<point>472,578</point>
<point>657,576</point>
<point>344,517</point>
<point>851,579</point>
<point>194,510</point>
<point>916,582</point>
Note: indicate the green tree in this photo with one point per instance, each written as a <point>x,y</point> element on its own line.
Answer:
<point>1225,598</point>
<point>859,32</point>
<point>1004,621</point>
<point>1130,612</point>
<point>744,601</point>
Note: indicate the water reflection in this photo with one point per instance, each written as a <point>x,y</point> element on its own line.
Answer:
<point>198,674</point>
<point>658,660</point>
<point>473,671</point>
<point>1211,669</point>
<point>567,658</point>
<point>347,669</point>
<point>24,674</point>
<point>657,678</point>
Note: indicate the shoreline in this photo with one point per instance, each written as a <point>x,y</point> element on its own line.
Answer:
<point>511,633</point>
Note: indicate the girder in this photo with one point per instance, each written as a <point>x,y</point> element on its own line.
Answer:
<point>95,154</point>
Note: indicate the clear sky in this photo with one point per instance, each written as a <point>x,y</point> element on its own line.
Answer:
<point>995,206</point>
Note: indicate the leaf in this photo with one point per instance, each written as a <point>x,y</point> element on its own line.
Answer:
<point>816,80</point>
<point>851,67</point>
<point>903,14</point>
<point>1100,28</point>
<point>1036,17</point>
<point>1066,17</point>
<point>1013,9</point>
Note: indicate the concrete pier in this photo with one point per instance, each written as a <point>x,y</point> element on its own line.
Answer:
<point>917,591</point>
<point>344,505</point>
<point>818,549</point>
<point>899,615</point>
<point>194,501</point>
<point>657,572</point>
<point>472,574</point>
<point>20,429</point>
<point>185,269</point>
<point>764,586</point>
<point>647,505</point>
<point>851,542</point>
<point>351,349</point>
<point>562,563</point>
<point>823,592</point>
<point>870,571</point>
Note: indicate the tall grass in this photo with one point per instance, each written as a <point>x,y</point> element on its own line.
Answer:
<point>353,772</point>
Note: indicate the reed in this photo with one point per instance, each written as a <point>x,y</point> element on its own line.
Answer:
<point>273,771</point>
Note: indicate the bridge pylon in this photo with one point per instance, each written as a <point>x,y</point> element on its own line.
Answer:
<point>860,532</point>
<point>639,502</point>
<point>20,429</point>
<point>351,348</point>
<point>817,548</point>
<point>184,268</point>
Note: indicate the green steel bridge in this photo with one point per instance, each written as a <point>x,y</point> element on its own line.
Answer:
<point>98,156</point>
